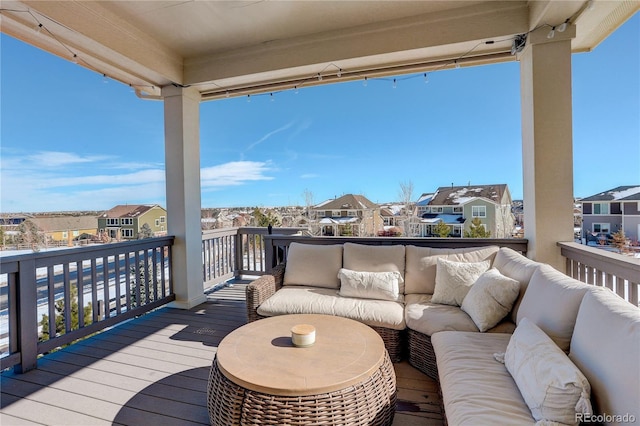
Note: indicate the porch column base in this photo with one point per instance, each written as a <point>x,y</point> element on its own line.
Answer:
<point>188,304</point>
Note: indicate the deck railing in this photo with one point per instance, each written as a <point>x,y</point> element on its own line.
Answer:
<point>50,299</point>
<point>596,266</point>
<point>233,252</point>
<point>277,245</point>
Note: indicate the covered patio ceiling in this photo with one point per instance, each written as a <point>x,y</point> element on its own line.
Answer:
<point>234,48</point>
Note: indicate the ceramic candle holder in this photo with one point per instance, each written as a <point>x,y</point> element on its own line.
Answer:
<point>303,335</point>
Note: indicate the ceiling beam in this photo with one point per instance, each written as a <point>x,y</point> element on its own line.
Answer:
<point>388,41</point>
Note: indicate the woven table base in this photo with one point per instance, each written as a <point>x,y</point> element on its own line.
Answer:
<point>370,402</point>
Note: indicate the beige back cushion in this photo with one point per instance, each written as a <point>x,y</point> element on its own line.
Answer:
<point>514,265</point>
<point>313,265</point>
<point>420,274</point>
<point>551,302</point>
<point>606,347</point>
<point>360,257</point>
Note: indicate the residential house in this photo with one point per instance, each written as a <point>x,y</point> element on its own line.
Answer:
<point>457,206</point>
<point>123,222</point>
<point>609,211</point>
<point>65,229</point>
<point>349,215</point>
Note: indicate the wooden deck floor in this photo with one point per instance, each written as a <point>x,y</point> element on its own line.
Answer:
<point>153,371</point>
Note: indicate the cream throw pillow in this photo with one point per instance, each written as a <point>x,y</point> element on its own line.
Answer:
<point>551,385</point>
<point>370,285</point>
<point>454,279</point>
<point>490,299</point>
<point>313,265</point>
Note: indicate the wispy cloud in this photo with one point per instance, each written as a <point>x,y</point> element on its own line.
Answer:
<point>309,176</point>
<point>234,173</point>
<point>58,159</point>
<point>93,182</point>
<point>268,135</point>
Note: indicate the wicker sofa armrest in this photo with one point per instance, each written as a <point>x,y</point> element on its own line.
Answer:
<point>263,288</point>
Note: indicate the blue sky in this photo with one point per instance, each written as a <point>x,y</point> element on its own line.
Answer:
<point>72,141</point>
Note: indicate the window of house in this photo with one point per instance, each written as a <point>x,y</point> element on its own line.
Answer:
<point>601,227</point>
<point>76,233</point>
<point>162,228</point>
<point>352,213</point>
<point>600,208</point>
<point>112,221</point>
<point>163,219</point>
<point>335,213</point>
<point>127,233</point>
<point>478,211</point>
<point>436,209</point>
<point>457,209</point>
<point>65,234</point>
<point>127,221</point>
<point>157,222</point>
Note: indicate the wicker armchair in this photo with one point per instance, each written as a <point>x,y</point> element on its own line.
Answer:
<point>265,286</point>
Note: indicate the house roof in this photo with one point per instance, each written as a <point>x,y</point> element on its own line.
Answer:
<point>64,223</point>
<point>458,195</point>
<point>621,193</point>
<point>348,202</point>
<point>424,199</point>
<point>128,210</point>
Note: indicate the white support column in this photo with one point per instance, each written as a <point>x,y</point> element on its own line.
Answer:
<point>547,143</point>
<point>182,165</point>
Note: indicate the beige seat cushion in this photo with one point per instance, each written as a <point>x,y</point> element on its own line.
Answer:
<point>514,265</point>
<point>314,265</point>
<point>360,257</point>
<point>428,318</point>
<point>420,274</point>
<point>315,300</point>
<point>606,347</point>
<point>551,302</point>
<point>476,389</point>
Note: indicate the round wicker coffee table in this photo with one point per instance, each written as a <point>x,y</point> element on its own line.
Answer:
<point>345,378</point>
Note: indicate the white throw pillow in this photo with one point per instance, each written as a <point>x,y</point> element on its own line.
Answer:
<point>554,389</point>
<point>490,299</point>
<point>454,279</point>
<point>370,285</point>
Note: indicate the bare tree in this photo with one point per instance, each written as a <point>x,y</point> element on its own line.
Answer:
<point>312,224</point>
<point>406,198</point>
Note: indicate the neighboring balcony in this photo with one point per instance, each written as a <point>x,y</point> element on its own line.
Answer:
<point>152,366</point>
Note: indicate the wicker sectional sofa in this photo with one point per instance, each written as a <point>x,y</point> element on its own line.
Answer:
<point>599,331</point>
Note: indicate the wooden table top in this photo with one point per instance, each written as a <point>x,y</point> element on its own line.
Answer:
<point>260,356</point>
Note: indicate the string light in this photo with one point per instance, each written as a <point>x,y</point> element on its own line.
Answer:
<point>457,64</point>
<point>271,96</point>
<point>74,59</point>
<point>319,77</point>
<point>39,27</point>
<point>104,79</point>
<point>248,98</point>
<point>394,83</point>
<point>552,33</point>
<point>339,72</point>
<point>426,79</point>
<point>364,82</point>
<point>295,89</point>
